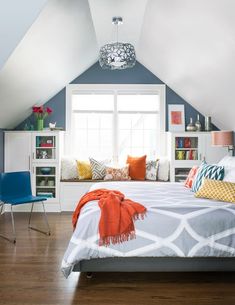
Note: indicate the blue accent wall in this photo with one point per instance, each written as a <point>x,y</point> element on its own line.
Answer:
<point>95,75</point>
<point>1,150</point>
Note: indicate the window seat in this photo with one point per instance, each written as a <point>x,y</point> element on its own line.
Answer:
<point>72,190</point>
<point>95,181</point>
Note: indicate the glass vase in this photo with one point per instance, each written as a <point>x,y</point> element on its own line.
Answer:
<point>40,123</point>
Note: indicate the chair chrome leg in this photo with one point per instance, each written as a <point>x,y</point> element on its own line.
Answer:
<point>13,225</point>
<point>46,221</point>
<point>13,228</point>
<point>30,215</point>
<point>1,204</point>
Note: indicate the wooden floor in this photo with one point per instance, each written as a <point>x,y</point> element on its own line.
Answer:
<point>30,274</point>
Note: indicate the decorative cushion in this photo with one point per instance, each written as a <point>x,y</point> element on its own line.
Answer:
<point>137,167</point>
<point>229,168</point>
<point>214,172</point>
<point>68,168</point>
<point>151,170</point>
<point>117,174</point>
<point>98,169</point>
<point>227,161</point>
<point>191,176</point>
<point>84,170</point>
<point>163,169</point>
<point>229,174</point>
<point>217,190</point>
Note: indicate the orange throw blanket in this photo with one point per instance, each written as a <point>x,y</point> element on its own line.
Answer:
<point>117,215</point>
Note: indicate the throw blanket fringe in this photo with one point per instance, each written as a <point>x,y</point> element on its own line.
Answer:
<point>117,218</point>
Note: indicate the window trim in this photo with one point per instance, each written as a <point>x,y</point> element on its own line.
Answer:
<point>71,89</point>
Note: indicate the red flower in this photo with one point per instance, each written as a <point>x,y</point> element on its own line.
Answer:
<point>40,110</point>
<point>35,109</point>
<point>48,110</point>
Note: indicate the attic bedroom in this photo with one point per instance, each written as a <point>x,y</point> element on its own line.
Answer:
<point>117,167</point>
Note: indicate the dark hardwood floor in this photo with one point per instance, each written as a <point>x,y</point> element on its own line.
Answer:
<point>30,274</point>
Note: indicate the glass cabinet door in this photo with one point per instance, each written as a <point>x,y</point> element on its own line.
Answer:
<point>45,148</point>
<point>45,181</point>
<point>186,148</point>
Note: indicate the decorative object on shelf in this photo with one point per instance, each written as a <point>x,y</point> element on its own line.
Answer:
<point>51,183</point>
<point>176,118</point>
<point>26,127</point>
<point>45,170</point>
<point>41,113</point>
<point>42,183</point>
<point>198,124</point>
<point>191,126</point>
<point>223,138</point>
<point>187,142</point>
<point>52,126</point>
<point>44,154</point>
<point>118,55</point>
<point>208,125</point>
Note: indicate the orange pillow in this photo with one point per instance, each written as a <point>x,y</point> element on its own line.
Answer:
<point>137,167</point>
<point>189,181</point>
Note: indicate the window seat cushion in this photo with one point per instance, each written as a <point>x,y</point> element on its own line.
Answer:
<point>94,181</point>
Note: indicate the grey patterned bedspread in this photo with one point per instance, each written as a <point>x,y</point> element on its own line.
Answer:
<point>177,224</point>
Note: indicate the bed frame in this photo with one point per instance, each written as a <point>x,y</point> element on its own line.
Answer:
<point>157,264</point>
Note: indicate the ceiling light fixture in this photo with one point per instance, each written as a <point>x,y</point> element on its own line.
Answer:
<point>118,55</point>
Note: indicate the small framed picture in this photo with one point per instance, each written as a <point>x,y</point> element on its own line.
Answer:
<point>176,119</point>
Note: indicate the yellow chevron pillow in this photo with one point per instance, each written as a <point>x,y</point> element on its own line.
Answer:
<point>84,170</point>
<point>217,190</point>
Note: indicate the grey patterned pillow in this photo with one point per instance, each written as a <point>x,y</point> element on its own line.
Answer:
<point>151,170</point>
<point>98,169</point>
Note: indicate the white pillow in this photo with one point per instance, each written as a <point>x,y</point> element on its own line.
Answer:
<point>229,174</point>
<point>229,168</point>
<point>227,161</point>
<point>163,169</point>
<point>68,168</point>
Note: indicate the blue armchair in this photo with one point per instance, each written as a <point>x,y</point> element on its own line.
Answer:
<point>15,189</point>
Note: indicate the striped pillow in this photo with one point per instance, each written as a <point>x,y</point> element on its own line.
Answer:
<point>213,172</point>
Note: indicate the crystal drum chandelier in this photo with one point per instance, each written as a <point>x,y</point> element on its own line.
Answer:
<point>118,55</point>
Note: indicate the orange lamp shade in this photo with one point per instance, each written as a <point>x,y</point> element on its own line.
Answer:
<point>222,138</point>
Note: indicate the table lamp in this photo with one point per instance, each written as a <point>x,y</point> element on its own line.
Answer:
<point>223,138</point>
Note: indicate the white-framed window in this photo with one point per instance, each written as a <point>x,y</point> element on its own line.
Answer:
<point>112,121</point>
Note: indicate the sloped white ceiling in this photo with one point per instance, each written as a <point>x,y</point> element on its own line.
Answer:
<point>16,17</point>
<point>189,44</point>
<point>132,12</point>
<point>60,45</point>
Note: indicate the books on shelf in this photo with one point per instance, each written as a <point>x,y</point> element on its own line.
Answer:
<point>186,142</point>
<point>45,194</point>
<point>186,154</point>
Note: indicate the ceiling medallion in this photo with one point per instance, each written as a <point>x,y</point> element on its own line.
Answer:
<point>118,55</point>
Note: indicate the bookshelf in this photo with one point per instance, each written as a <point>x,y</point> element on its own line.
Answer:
<point>187,149</point>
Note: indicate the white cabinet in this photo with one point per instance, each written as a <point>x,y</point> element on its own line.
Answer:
<point>39,153</point>
<point>18,146</point>
<point>187,149</point>
<point>71,193</point>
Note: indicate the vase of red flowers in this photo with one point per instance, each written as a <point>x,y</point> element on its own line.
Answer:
<point>41,113</point>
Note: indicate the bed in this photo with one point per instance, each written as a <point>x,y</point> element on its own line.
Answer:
<point>180,233</point>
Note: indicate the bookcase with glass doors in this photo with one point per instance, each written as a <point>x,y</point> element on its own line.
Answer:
<point>39,153</point>
<point>187,149</point>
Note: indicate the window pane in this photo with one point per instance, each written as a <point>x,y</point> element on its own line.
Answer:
<point>93,121</point>
<point>138,136</point>
<point>92,102</point>
<point>138,102</point>
<point>92,135</point>
<point>93,129</point>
